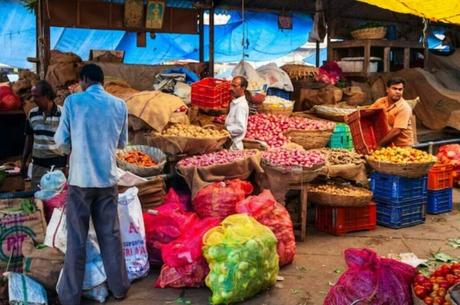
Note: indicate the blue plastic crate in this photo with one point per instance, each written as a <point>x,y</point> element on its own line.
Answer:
<point>400,216</point>
<point>396,189</point>
<point>439,201</point>
<point>279,92</point>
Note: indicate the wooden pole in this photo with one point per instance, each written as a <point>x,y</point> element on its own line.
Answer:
<point>201,32</point>
<point>211,42</point>
<point>317,54</point>
<point>43,38</point>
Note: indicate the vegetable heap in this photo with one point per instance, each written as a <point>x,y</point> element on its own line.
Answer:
<point>270,128</point>
<point>433,289</point>
<point>138,158</point>
<point>401,155</point>
<point>215,158</point>
<point>293,157</point>
<point>193,131</point>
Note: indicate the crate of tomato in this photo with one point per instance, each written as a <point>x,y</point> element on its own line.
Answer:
<point>211,93</point>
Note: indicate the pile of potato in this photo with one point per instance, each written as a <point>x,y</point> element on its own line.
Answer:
<point>335,189</point>
<point>193,131</point>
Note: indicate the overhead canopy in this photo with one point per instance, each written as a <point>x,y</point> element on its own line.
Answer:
<point>447,11</point>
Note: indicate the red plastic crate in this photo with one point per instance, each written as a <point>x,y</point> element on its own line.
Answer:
<point>440,177</point>
<point>368,127</point>
<point>340,220</point>
<point>212,93</point>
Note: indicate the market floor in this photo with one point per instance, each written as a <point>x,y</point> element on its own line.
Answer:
<point>318,264</point>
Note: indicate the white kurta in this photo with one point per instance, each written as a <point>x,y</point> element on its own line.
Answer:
<point>237,122</point>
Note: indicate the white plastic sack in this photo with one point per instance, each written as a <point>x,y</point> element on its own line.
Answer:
<point>256,82</point>
<point>183,91</point>
<point>56,231</point>
<point>276,77</point>
<point>133,234</point>
<point>24,290</point>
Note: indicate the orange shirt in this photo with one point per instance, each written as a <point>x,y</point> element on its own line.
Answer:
<point>399,115</point>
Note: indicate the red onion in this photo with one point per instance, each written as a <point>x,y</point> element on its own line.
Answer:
<point>220,157</point>
<point>293,157</point>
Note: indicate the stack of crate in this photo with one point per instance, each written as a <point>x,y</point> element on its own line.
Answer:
<point>400,201</point>
<point>440,182</point>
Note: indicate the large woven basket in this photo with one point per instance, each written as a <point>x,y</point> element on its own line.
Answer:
<point>157,155</point>
<point>254,144</point>
<point>310,139</point>
<point>294,175</point>
<point>409,170</point>
<point>370,33</point>
<point>327,199</point>
<point>332,113</point>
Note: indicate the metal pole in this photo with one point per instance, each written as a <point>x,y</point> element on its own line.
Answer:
<point>201,31</point>
<point>317,54</point>
<point>211,42</point>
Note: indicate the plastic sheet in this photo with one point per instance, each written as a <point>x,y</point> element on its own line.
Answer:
<point>370,279</point>
<point>242,259</point>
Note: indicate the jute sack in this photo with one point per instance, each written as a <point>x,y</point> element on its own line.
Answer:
<point>353,172</point>
<point>16,226</point>
<point>42,264</point>
<point>198,177</point>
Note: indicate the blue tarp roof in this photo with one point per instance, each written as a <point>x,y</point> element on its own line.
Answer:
<point>264,40</point>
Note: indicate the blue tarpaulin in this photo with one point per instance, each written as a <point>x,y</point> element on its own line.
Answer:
<point>264,41</point>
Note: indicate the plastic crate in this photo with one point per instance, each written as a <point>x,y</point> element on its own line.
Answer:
<point>368,127</point>
<point>279,92</point>
<point>211,93</point>
<point>439,201</point>
<point>341,137</point>
<point>396,189</point>
<point>401,216</point>
<point>440,177</point>
<point>340,220</point>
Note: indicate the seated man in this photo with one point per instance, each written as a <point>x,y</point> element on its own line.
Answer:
<point>399,115</point>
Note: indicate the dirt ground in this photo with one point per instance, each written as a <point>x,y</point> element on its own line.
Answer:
<point>319,263</point>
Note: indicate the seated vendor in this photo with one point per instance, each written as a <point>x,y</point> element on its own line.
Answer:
<point>399,115</point>
<point>236,122</point>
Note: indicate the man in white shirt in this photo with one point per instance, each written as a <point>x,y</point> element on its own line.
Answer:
<point>237,119</point>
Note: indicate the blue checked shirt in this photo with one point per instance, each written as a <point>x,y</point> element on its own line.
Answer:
<point>93,125</point>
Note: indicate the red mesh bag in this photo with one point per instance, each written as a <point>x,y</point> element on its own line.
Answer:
<point>167,223</point>
<point>370,279</point>
<point>220,198</point>
<point>270,213</point>
<point>184,265</point>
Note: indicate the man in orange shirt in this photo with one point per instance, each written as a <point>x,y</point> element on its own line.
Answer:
<point>399,115</point>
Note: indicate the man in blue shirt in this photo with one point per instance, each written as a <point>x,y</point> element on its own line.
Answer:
<point>93,125</point>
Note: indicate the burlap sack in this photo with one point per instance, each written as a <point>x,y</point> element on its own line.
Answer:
<point>119,88</point>
<point>63,57</point>
<point>151,193</point>
<point>324,96</point>
<point>173,145</point>
<point>352,172</point>
<point>42,264</point>
<point>16,226</point>
<point>354,96</point>
<point>198,177</point>
<point>61,75</point>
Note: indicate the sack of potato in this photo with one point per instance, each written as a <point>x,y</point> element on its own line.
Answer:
<point>188,139</point>
<point>401,161</point>
<point>339,195</point>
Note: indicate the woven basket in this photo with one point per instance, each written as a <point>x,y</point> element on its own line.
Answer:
<point>370,33</point>
<point>157,155</point>
<point>255,144</point>
<point>310,139</point>
<point>332,113</point>
<point>296,175</point>
<point>298,72</point>
<point>327,199</point>
<point>409,170</point>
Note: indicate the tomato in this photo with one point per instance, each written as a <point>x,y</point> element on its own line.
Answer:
<point>450,279</point>
<point>420,291</point>
<point>438,300</point>
<point>445,269</point>
<point>428,300</point>
<point>420,278</point>
<point>442,292</point>
<point>428,286</point>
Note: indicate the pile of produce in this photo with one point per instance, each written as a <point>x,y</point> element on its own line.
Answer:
<point>193,131</point>
<point>138,158</point>
<point>220,157</point>
<point>342,190</point>
<point>270,128</point>
<point>242,259</point>
<point>401,155</point>
<point>450,155</point>
<point>293,157</point>
<point>341,156</point>
<point>433,289</point>
<point>220,119</point>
